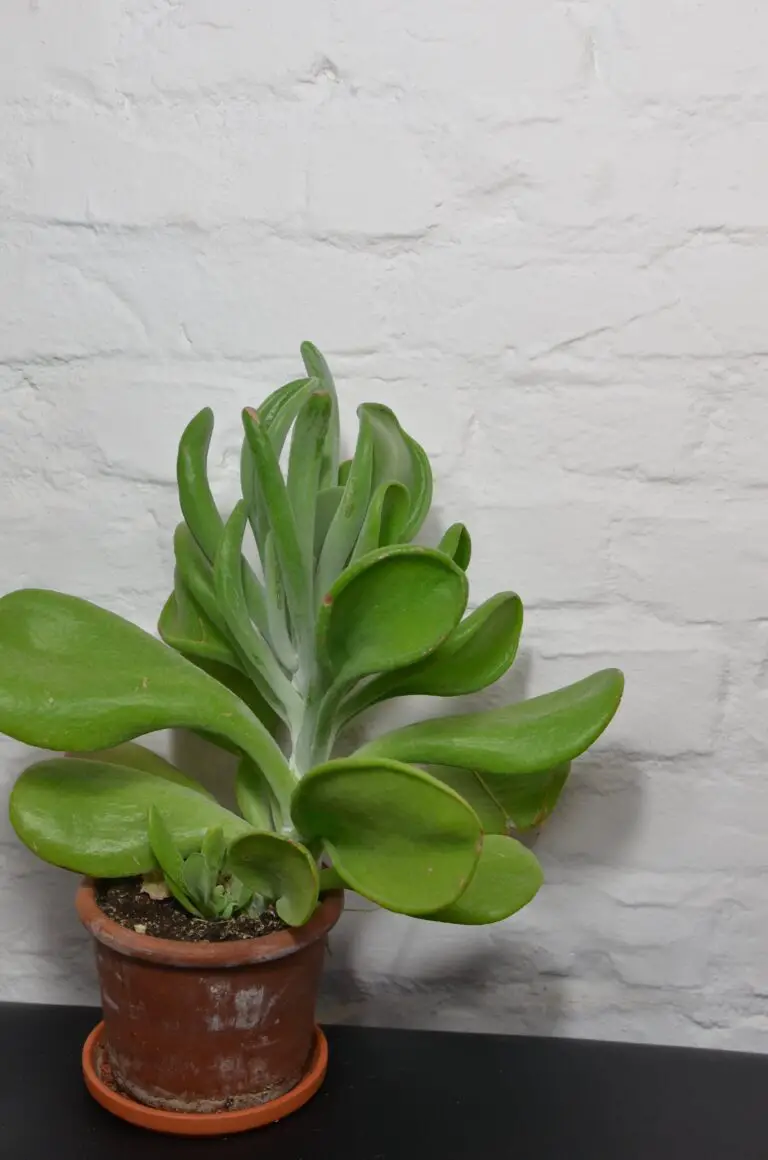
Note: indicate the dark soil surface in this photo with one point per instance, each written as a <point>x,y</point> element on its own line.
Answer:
<point>123,900</point>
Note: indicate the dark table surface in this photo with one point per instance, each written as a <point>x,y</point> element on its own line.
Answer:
<point>414,1095</point>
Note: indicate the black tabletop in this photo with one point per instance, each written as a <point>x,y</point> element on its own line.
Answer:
<point>414,1095</point>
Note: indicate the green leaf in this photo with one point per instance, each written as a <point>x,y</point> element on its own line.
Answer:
<point>528,737</point>
<point>328,502</point>
<point>199,883</point>
<point>350,514</point>
<point>469,785</point>
<point>386,513</point>
<point>257,656</point>
<point>344,470</point>
<point>184,626</point>
<point>395,834</point>
<point>170,860</point>
<point>304,468</point>
<point>274,497</point>
<point>479,651</point>
<point>76,677</point>
<point>527,799</point>
<point>254,799</point>
<point>316,366</point>
<point>506,801</point>
<point>398,457</point>
<point>277,414</point>
<point>391,608</point>
<point>457,544</point>
<point>214,849</point>
<point>507,878</point>
<point>197,503</point>
<point>198,506</point>
<point>91,817</point>
<point>243,688</point>
<point>279,869</point>
<point>168,856</point>
<point>197,576</point>
<point>277,609</point>
<point>139,757</point>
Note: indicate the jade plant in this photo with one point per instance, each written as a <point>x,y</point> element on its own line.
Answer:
<point>306,607</point>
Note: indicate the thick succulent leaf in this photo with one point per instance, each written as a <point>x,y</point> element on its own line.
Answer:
<point>139,757</point>
<point>528,737</point>
<point>274,497</point>
<point>197,503</point>
<point>328,501</point>
<point>243,688</point>
<point>474,656</point>
<point>304,468</point>
<point>214,849</point>
<point>280,870</point>
<point>507,801</point>
<point>199,508</point>
<point>469,785</point>
<point>386,513</point>
<point>198,882</point>
<point>197,576</point>
<point>398,457</point>
<point>349,516</point>
<point>170,859</point>
<point>318,368</point>
<point>391,608</point>
<point>254,799</point>
<point>507,878</point>
<point>277,412</point>
<point>457,543</point>
<point>92,817</point>
<point>76,677</point>
<point>256,654</point>
<point>277,608</point>
<point>527,799</point>
<point>184,626</point>
<point>394,834</point>
<point>344,469</point>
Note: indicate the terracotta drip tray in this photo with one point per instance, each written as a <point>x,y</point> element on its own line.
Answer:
<point>193,1123</point>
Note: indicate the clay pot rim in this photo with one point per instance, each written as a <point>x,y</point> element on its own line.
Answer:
<point>176,953</point>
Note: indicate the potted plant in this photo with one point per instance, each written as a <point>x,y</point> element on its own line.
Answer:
<point>209,924</point>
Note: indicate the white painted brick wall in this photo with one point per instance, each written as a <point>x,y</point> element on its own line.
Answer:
<point>538,230</point>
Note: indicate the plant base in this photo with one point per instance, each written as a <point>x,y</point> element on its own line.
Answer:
<point>200,1123</point>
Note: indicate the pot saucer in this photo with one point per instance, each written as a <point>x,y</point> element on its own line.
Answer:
<point>201,1123</point>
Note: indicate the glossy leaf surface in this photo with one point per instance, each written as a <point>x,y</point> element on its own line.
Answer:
<point>92,817</point>
<point>391,608</point>
<point>527,737</point>
<point>479,651</point>
<point>76,677</point>
<point>394,834</point>
<point>139,757</point>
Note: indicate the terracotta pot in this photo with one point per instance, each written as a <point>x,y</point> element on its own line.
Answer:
<point>206,1027</point>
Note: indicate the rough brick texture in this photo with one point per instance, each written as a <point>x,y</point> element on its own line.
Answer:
<point>539,230</point>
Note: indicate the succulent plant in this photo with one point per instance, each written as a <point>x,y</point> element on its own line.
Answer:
<point>339,611</point>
